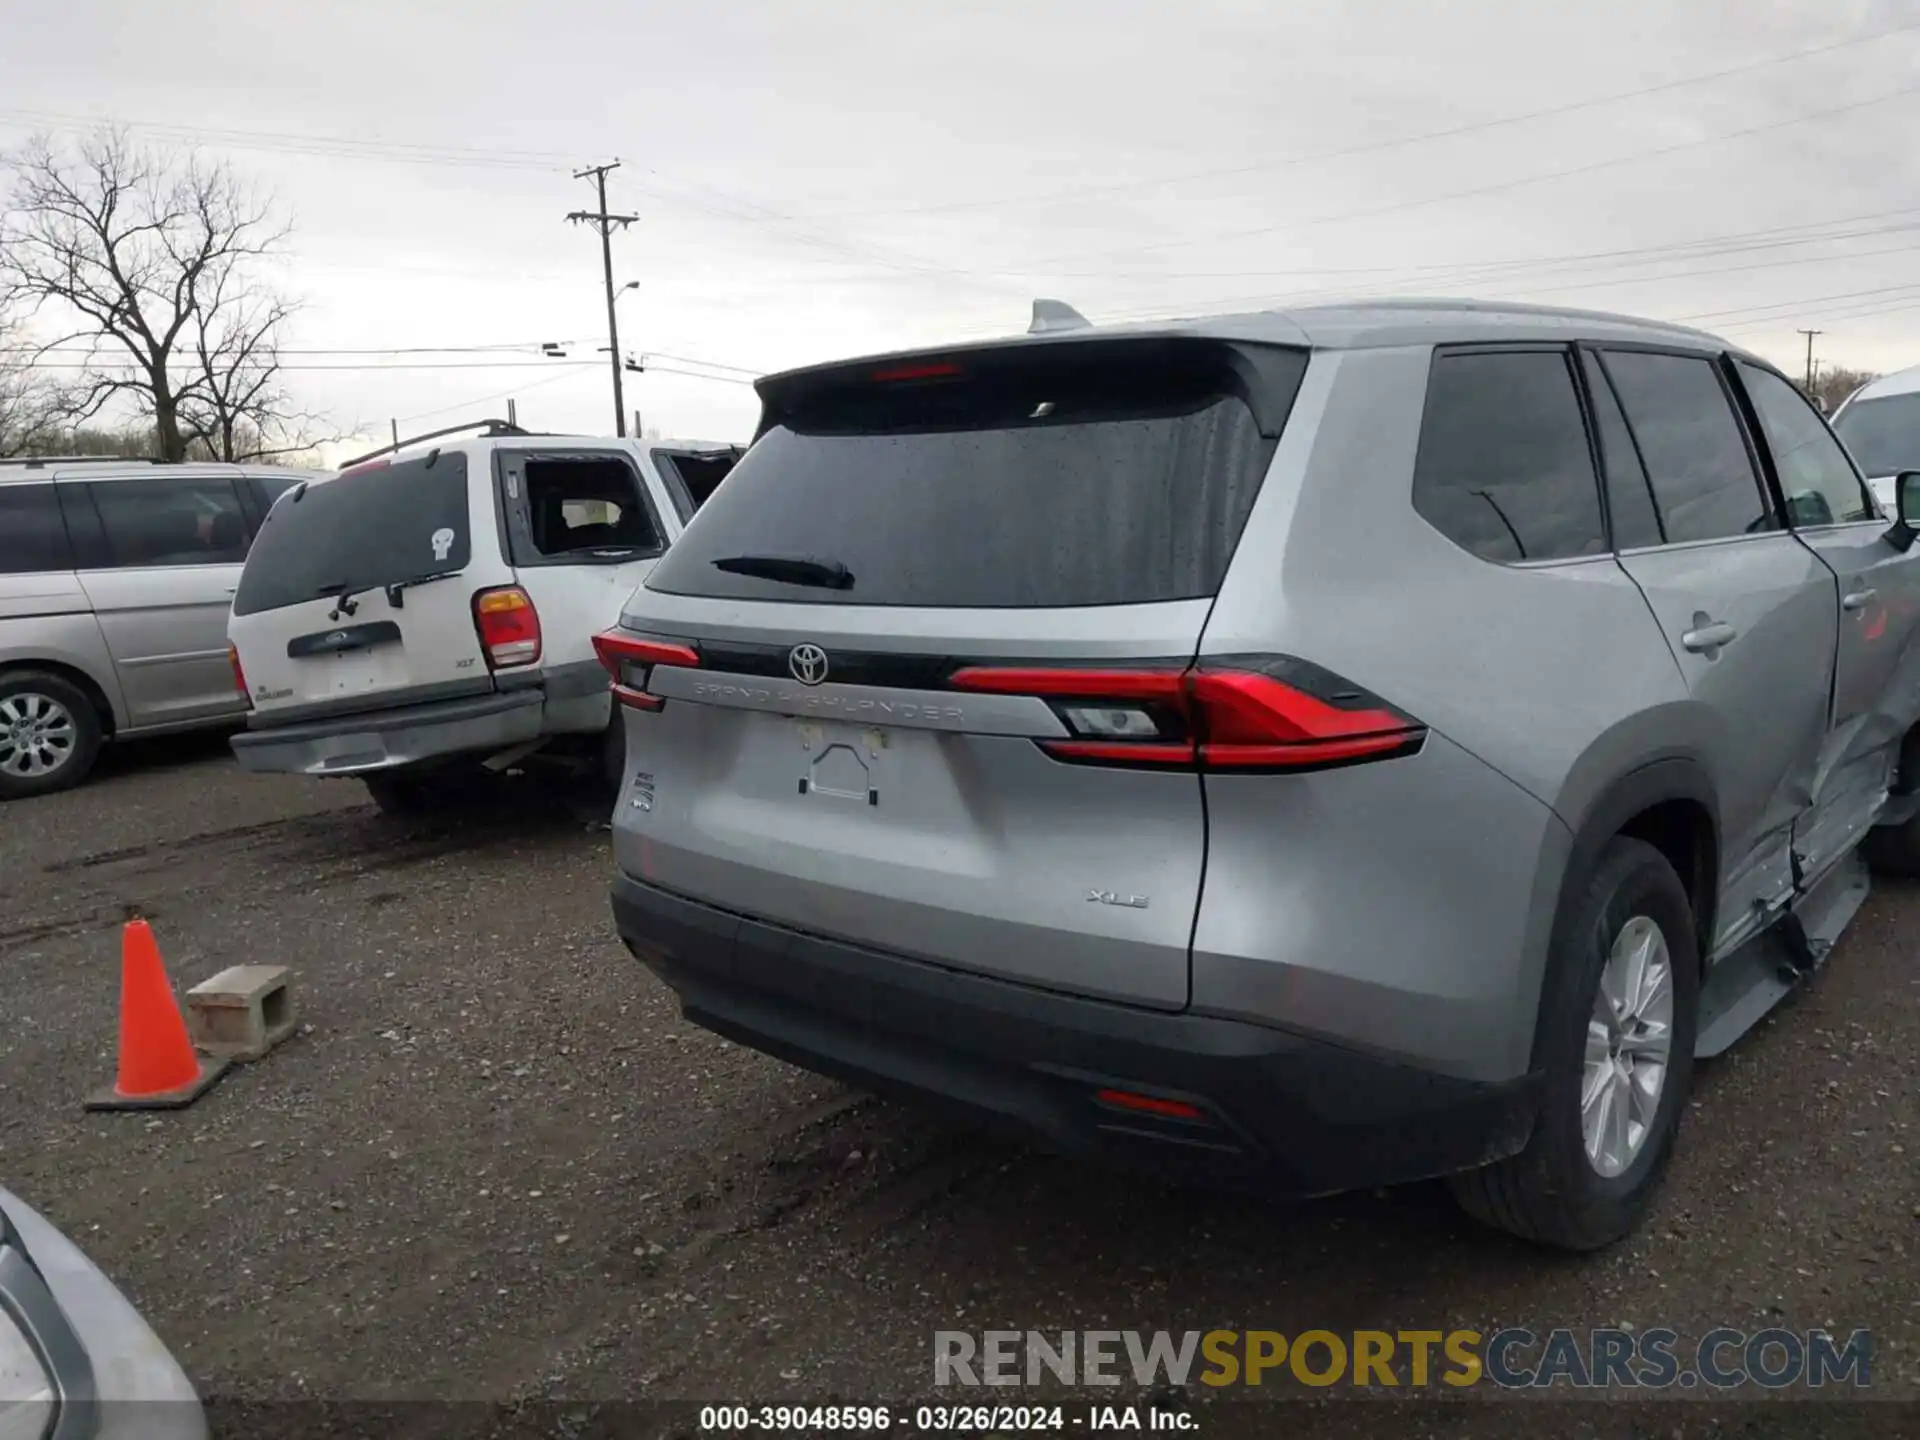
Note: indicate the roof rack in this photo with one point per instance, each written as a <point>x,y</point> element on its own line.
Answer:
<point>40,462</point>
<point>488,430</point>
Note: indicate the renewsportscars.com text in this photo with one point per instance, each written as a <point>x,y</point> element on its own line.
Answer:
<point>1653,1359</point>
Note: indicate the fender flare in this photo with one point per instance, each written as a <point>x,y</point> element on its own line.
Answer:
<point>1671,777</point>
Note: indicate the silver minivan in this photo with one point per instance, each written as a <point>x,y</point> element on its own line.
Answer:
<point>115,580</point>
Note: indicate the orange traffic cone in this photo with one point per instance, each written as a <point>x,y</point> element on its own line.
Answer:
<point>158,1067</point>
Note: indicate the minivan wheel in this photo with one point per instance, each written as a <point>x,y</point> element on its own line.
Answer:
<point>50,734</point>
<point>1616,1052</point>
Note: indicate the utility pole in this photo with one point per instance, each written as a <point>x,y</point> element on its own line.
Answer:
<point>1809,334</point>
<point>605,223</point>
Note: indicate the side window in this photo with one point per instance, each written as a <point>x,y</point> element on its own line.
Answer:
<point>1504,470</point>
<point>693,476</point>
<point>588,507</point>
<point>1818,481</point>
<point>269,488</point>
<point>152,523</point>
<point>1636,524</point>
<point>1696,456</point>
<point>33,537</point>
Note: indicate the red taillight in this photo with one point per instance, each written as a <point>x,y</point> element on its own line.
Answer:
<point>239,675</point>
<point>629,660</point>
<point>1227,717</point>
<point>509,627</point>
<point>939,370</point>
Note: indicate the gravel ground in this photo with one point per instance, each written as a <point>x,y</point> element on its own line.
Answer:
<point>496,1165</point>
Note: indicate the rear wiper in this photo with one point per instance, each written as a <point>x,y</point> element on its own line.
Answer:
<point>396,592</point>
<point>341,593</point>
<point>789,569</point>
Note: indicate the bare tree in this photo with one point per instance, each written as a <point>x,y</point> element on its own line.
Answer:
<point>1833,384</point>
<point>153,265</point>
<point>26,406</point>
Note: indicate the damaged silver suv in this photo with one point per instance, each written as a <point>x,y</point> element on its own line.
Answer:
<point>1318,749</point>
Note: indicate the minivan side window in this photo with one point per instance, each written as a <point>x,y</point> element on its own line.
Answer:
<point>33,537</point>
<point>1504,470</point>
<point>1696,455</point>
<point>1816,477</point>
<point>154,523</point>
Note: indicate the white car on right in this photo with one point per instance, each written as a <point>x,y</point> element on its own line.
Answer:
<point>1880,424</point>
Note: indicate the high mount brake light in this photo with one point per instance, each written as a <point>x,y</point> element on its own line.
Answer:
<point>629,660</point>
<point>1228,717</point>
<point>509,627</point>
<point>935,370</point>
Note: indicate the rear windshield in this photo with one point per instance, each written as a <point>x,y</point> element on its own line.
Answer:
<point>1884,435</point>
<point>358,531</point>
<point>1069,482</point>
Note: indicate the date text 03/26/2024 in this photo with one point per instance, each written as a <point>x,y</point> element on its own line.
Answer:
<point>940,1419</point>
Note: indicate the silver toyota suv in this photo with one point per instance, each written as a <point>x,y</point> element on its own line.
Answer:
<point>1315,750</point>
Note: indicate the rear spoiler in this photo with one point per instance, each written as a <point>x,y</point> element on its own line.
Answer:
<point>1266,377</point>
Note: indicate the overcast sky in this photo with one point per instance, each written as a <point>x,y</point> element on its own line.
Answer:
<point>828,178</point>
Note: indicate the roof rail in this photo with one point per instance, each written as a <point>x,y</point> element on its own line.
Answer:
<point>488,430</point>
<point>40,462</point>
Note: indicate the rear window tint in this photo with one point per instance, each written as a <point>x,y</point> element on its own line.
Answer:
<point>1504,470</point>
<point>1062,480</point>
<point>359,531</point>
<point>33,537</point>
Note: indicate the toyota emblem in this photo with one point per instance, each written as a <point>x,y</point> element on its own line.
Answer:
<point>808,664</point>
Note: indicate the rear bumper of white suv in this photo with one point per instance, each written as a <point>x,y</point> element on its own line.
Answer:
<point>368,741</point>
<point>1223,1100</point>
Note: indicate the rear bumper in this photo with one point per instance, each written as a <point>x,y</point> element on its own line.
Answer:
<point>1279,1111</point>
<point>387,739</point>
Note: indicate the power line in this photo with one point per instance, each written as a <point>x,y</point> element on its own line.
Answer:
<point>304,144</point>
<point>1480,190</point>
<point>1474,127</point>
<point>481,400</point>
<point>375,369</point>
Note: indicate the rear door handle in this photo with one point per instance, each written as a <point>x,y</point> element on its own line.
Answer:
<point>1859,600</point>
<point>1709,637</point>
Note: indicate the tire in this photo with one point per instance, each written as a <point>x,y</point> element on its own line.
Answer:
<point>1552,1192</point>
<point>1894,849</point>
<point>50,734</point>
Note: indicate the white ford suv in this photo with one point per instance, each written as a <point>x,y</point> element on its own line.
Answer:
<point>429,613</point>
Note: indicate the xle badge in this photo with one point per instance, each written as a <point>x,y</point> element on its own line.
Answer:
<point>1112,897</point>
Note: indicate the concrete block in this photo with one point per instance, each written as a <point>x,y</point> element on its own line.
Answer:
<point>242,1012</point>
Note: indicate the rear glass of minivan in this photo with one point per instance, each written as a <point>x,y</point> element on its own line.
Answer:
<point>360,530</point>
<point>1883,434</point>
<point>1034,476</point>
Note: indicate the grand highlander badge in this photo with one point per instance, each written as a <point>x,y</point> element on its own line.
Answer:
<point>807,664</point>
